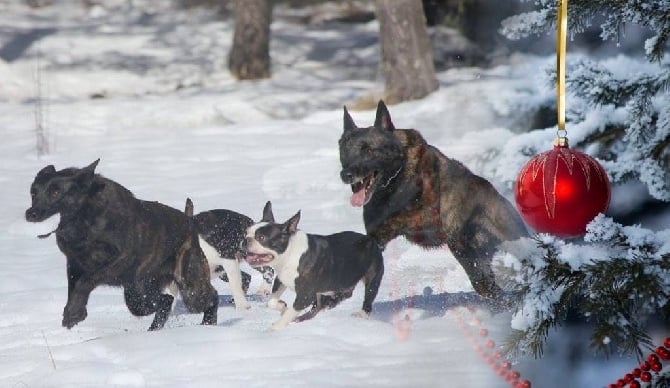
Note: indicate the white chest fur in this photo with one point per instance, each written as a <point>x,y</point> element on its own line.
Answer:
<point>287,263</point>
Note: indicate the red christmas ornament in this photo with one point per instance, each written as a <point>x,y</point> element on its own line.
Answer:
<point>634,384</point>
<point>666,342</point>
<point>645,377</point>
<point>560,191</point>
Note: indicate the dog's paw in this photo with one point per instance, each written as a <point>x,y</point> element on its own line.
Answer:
<point>242,307</point>
<point>72,316</point>
<point>263,291</point>
<point>361,314</point>
<point>277,304</point>
<point>278,325</point>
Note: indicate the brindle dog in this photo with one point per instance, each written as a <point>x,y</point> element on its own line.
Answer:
<point>409,188</point>
<point>111,238</point>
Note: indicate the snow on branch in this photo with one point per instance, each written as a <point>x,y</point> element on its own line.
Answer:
<point>616,278</point>
<point>581,13</point>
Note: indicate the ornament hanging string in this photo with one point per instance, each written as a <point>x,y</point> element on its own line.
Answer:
<point>561,52</point>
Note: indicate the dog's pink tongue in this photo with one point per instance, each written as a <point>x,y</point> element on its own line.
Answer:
<point>358,198</point>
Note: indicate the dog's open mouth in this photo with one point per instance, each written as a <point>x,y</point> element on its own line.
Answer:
<point>362,190</point>
<point>259,259</point>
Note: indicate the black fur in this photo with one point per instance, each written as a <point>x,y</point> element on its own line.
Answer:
<point>111,238</point>
<point>328,269</point>
<point>225,230</point>
<point>409,188</point>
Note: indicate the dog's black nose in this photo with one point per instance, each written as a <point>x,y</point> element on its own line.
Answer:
<point>347,176</point>
<point>31,215</point>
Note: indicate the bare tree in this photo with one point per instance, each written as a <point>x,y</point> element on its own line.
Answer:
<point>407,56</point>
<point>249,57</point>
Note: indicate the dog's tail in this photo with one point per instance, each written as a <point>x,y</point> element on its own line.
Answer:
<point>188,210</point>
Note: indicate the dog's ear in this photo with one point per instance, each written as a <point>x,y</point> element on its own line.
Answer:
<point>188,209</point>
<point>291,226</point>
<point>383,119</point>
<point>85,176</point>
<point>267,213</point>
<point>348,121</point>
<point>46,171</point>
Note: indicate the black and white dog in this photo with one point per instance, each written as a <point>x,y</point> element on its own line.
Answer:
<point>220,232</point>
<point>322,270</point>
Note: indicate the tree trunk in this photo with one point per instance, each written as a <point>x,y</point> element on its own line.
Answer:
<point>249,57</point>
<point>407,56</point>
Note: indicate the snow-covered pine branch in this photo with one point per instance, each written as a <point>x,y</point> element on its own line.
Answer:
<point>617,108</point>
<point>581,13</point>
<point>617,279</point>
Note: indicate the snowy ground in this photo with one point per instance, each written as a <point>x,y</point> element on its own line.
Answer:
<point>147,91</point>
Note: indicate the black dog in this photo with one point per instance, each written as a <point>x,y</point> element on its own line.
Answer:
<point>221,232</point>
<point>111,238</point>
<point>313,266</point>
<point>409,188</point>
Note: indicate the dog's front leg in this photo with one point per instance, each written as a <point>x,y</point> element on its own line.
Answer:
<point>278,289</point>
<point>75,309</point>
<point>232,268</point>
<point>287,316</point>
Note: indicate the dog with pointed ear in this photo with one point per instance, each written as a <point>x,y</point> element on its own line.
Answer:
<point>371,157</point>
<point>316,267</point>
<point>109,237</point>
<point>409,188</point>
<point>59,191</point>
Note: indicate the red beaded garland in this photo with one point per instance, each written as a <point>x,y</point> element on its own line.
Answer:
<point>645,376</point>
<point>663,353</point>
<point>636,372</point>
<point>666,342</point>
<point>560,191</point>
<point>523,384</point>
<point>644,365</point>
<point>656,367</point>
<point>486,351</point>
<point>634,384</point>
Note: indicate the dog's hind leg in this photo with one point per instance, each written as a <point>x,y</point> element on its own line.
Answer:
<point>372,280</point>
<point>145,299</point>
<point>163,308</point>
<point>316,307</point>
<point>481,277</point>
<point>210,315</point>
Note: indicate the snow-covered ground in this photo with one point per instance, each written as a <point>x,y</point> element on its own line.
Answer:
<point>146,90</point>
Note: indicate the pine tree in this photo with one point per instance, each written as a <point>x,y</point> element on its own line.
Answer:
<point>619,110</point>
<point>617,277</point>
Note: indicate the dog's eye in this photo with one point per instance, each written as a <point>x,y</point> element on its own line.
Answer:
<point>54,191</point>
<point>261,238</point>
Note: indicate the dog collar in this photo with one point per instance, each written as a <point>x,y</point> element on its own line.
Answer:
<point>43,236</point>
<point>388,181</point>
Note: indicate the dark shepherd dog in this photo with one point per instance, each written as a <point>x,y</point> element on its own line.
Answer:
<point>409,188</point>
<point>111,238</point>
